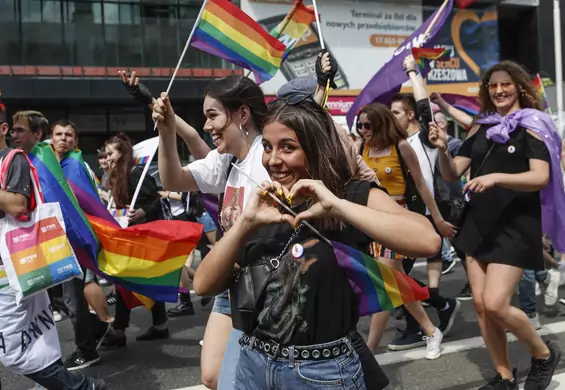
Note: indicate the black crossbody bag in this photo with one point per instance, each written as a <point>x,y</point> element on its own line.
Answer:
<point>459,206</point>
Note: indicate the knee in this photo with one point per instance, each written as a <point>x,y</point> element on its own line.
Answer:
<point>494,308</point>
<point>479,306</point>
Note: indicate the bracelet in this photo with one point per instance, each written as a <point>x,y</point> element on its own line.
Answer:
<point>410,71</point>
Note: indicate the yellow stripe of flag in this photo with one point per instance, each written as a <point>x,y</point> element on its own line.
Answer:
<point>124,266</point>
<point>391,286</point>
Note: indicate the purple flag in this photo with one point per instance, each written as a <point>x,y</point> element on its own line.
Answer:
<point>388,80</point>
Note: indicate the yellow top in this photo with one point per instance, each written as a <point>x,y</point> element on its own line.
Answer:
<point>388,171</point>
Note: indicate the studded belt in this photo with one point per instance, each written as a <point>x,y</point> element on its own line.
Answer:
<point>304,352</point>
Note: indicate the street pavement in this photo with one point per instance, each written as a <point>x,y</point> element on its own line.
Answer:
<point>175,363</point>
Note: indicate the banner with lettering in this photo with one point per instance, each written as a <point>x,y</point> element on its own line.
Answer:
<point>28,336</point>
<point>37,254</point>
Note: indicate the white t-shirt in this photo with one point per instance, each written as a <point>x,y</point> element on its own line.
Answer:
<point>427,158</point>
<point>210,175</point>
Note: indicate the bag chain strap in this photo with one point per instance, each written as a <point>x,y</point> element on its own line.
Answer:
<point>276,262</point>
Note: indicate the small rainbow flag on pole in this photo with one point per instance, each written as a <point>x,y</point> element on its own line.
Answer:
<point>538,84</point>
<point>377,286</point>
<point>424,56</point>
<point>225,31</point>
<point>294,25</point>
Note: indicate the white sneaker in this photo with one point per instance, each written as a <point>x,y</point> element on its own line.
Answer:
<point>552,287</point>
<point>433,345</point>
<point>534,320</point>
<point>57,317</point>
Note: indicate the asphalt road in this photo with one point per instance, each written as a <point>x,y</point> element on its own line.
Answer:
<point>175,363</point>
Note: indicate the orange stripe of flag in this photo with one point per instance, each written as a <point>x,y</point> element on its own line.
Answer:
<point>404,287</point>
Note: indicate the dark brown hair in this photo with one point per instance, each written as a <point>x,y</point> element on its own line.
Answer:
<point>65,123</point>
<point>120,176</point>
<point>407,100</point>
<point>321,143</point>
<point>236,91</point>
<point>527,95</point>
<point>385,128</point>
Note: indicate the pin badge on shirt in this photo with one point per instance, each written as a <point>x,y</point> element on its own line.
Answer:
<point>297,251</point>
<point>511,149</point>
<point>388,170</point>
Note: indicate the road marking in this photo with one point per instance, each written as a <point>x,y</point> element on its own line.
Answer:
<point>557,383</point>
<point>456,346</point>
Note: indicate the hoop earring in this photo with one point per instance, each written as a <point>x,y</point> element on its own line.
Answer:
<point>244,132</point>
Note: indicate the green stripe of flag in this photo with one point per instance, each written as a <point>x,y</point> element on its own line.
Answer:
<point>378,282</point>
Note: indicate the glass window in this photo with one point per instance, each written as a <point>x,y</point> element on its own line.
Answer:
<point>89,120</point>
<point>127,119</point>
<point>10,45</point>
<point>42,33</point>
<point>84,33</point>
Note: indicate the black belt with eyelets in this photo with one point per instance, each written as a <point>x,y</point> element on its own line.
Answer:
<point>303,352</point>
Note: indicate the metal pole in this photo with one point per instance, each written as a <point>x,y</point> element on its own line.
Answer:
<point>558,64</point>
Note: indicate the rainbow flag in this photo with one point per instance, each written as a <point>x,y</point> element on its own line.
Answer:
<point>538,85</point>
<point>151,255</point>
<point>141,160</point>
<point>464,3</point>
<point>225,31</point>
<point>119,212</point>
<point>377,286</point>
<point>424,56</point>
<point>294,25</point>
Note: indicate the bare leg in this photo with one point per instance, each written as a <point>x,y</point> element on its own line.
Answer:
<point>493,334</point>
<point>216,338</point>
<point>97,300</point>
<point>496,300</point>
<point>379,322</point>
<point>434,273</point>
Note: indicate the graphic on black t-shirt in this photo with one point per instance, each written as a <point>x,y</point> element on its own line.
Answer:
<point>286,296</point>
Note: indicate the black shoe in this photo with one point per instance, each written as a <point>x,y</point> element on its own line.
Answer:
<point>182,309</point>
<point>79,360</point>
<point>446,317</point>
<point>497,383</point>
<point>447,267</point>
<point>205,301</point>
<point>99,384</point>
<point>466,294</point>
<point>399,313</point>
<point>101,330</point>
<point>542,370</point>
<point>154,334</point>
<point>113,341</point>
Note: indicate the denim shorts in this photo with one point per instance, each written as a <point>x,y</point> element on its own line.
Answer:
<point>222,304</point>
<point>344,372</point>
<point>206,220</point>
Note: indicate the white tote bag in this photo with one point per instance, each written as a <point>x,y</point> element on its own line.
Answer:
<point>36,253</point>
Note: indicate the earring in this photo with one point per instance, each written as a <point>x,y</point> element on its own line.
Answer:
<point>245,133</point>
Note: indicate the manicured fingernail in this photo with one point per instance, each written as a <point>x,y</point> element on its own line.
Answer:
<point>281,192</point>
<point>265,192</point>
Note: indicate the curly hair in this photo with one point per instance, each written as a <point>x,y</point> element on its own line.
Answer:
<point>527,94</point>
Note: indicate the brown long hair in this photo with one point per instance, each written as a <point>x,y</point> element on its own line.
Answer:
<point>120,176</point>
<point>386,130</point>
<point>527,94</point>
<point>320,141</point>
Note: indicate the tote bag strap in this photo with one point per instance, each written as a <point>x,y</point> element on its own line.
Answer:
<point>36,197</point>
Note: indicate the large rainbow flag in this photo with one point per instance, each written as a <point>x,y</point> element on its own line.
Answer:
<point>294,25</point>
<point>157,274</point>
<point>225,31</point>
<point>538,85</point>
<point>377,286</point>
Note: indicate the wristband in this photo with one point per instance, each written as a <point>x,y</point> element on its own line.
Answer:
<point>410,71</point>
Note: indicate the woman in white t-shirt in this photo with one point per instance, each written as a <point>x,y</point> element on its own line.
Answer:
<point>234,108</point>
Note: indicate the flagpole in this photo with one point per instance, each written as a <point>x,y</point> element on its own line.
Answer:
<point>558,65</point>
<point>434,20</point>
<point>317,15</point>
<point>146,167</point>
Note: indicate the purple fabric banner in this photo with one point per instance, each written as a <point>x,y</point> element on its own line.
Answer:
<point>466,103</point>
<point>388,80</point>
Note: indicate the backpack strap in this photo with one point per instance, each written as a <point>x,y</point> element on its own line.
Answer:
<point>36,196</point>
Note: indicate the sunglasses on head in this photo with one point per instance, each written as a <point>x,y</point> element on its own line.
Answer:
<point>506,86</point>
<point>292,99</point>
<point>366,125</point>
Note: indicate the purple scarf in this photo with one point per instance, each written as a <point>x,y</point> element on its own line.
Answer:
<point>553,195</point>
